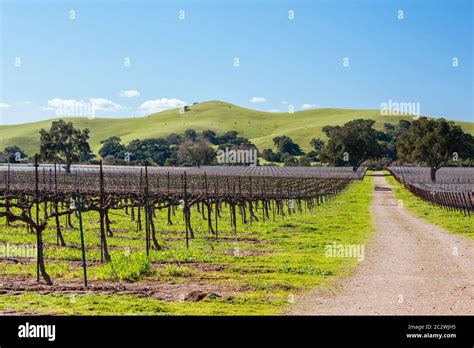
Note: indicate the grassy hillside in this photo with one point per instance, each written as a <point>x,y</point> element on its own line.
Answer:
<point>259,127</point>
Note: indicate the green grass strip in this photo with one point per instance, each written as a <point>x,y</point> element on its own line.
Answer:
<point>452,221</point>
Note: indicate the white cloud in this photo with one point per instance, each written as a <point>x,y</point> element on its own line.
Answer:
<point>284,102</point>
<point>308,106</point>
<point>56,103</point>
<point>99,104</point>
<point>158,105</point>
<point>258,100</point>
<point>273,110</point>
<point>129,94</point>
<point>102,104</point>
<point>4,105</point>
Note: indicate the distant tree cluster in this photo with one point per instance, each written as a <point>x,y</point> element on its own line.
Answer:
<point>286,152</point>
<point>357,142</point>
<point>423,142</point>
<point>228,139</point>
<point>188,149</point>
<point>13,154</point>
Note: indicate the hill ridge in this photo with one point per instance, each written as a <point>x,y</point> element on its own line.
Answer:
<point>259,126</point>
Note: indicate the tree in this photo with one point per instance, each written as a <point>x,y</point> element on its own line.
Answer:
<point>14,154</point>
<point>156,150</point>
<point>228,137</point>
<point>353,143</point>
<point>87,158</point>
<point>434,142</point>
<point>174,139</point>
<point>289,160</point>
<point>270,156</point>
<point>285,144</point>
<point>210,136</point>
<point>389,138</point>
<point>312,156</point>
<point>190,134</point>
<point>64,142</point>
<point>171,162</point>
<point>195,153</point>
<point>304,161</point>
<point>112,147</point>
<point>318,146</point>
<point>329,130</point>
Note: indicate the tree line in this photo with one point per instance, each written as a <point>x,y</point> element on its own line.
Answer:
<point>422,142</point>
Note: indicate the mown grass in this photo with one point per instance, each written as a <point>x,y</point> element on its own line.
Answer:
<point>268,262</point>
<point>455,222</point>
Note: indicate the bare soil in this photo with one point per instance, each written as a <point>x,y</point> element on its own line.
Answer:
<point>14,285</point>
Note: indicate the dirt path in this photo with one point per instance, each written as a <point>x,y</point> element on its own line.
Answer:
<point>411,267</point>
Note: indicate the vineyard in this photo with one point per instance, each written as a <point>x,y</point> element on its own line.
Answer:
<point>195,240</point>
<point>47,198</point>
<point>453,189</point>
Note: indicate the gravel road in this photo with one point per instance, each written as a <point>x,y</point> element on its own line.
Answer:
<point>410,267</point>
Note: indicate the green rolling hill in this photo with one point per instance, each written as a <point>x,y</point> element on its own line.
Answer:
<point>260,127</point>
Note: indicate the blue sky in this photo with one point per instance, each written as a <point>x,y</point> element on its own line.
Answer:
<point>49,59</point>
